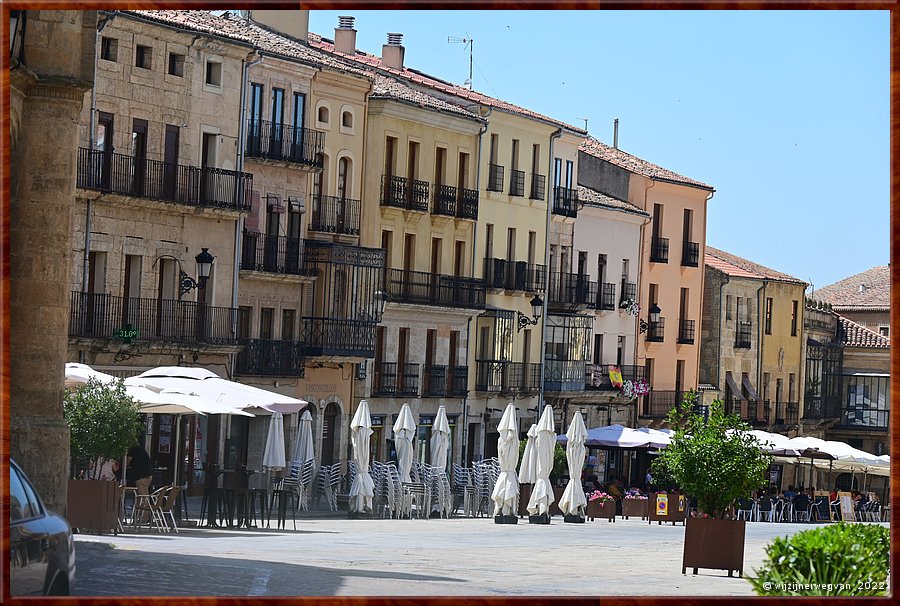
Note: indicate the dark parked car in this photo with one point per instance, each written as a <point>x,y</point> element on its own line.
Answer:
<point>42,555</point>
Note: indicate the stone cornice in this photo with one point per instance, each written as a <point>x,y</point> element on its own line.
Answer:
<point>58,89</point>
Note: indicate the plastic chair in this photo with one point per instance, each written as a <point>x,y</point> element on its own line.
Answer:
<point>764,509</point>
<point>148,507</point>
<point>746,510</point>
<point>167,506</point>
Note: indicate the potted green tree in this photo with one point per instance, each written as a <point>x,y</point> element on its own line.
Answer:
<point>714,459</point>
<point>103,423</point>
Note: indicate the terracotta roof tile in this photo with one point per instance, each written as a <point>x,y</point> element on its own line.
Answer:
<point>395,89</point>
<point>594,198</point>
<point>598,149</point>
<point>869,290</point>
<point>733,265</point>
<point>856,335</point>
<point>437,84</point>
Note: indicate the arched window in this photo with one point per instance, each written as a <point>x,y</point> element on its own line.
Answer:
<point>347,120</point>
<point>331,441</point>
<point>323,114</point>
<point>343,185</point>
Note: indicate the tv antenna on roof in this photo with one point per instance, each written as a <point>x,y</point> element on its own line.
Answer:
<point>465,42</point>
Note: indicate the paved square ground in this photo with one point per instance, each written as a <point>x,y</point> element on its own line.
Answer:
<point>330,556</point>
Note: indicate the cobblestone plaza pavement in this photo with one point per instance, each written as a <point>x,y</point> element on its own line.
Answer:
<point>330,556</point>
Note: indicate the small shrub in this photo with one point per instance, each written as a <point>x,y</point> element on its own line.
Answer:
<point>840,559</point>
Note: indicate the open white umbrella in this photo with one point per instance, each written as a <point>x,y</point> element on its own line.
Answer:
<point>506,490</point>
<point>363,489</point>
<point>544,443</point>
<point>528,468</point>
<point>404,433</point>
<point>572,501</point>
<point>440,439</point>
<point>78,374</point>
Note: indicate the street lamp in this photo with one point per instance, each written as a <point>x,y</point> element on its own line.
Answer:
<point>537,305</point>
<point>204,268</point>
<point>381,298</point>
<point>654,318</point>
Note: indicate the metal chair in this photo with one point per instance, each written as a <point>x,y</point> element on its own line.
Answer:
<point>746,510</point>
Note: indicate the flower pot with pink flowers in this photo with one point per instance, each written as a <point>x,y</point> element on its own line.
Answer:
<point>601,505</point>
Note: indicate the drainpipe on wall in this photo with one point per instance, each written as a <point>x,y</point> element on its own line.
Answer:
<point>555,135</point>
<point>722,311</point>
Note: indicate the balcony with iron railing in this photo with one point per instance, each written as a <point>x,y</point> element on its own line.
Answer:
<point>570,290</point>
<point>690,254</point>
<point>656,330</point>
<point>445,381</point>
<point>606,297</point>
<point>270,358</point>
<point>408,194</point>
<point>538,187</point>
<point>102,316</point>
<point>565,202</point>
<point>393,379</point>
<point>628,292</point>
<point>155,180</point>
<point>495,177</point>
<point>564,375</point>
<point>517,183</point>
<point>283,143</point>
<point>333,337</point>
<point>272,254</point>
<point>658,403</point>
<point>449,201</point>
<point>424,288</point>
<point>749,411</point>
<point>787,413</point>
<point>659,250</point>
<point>596,376</point>
<point>513,275</point>
<point>507,377</point>
<point>742,335</point>
<point>686,332</point>
<point>335,215</point>
<point>467,204</point>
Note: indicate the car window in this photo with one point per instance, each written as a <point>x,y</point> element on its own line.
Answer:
<point>23,502</point>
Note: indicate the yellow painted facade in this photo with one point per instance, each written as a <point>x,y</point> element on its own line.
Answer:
<point>782,343</point>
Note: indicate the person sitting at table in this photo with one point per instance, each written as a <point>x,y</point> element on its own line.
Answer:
<point>801,506</point>
<point>613,488</point>
<point>790,493</point>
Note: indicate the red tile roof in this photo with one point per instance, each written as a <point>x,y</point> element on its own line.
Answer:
<point>739,267</point>
<point>592,197</point>
<point>601,150</point>
<point>866,291</point>
<point>856,335</point>
<point>420,78</point>
<point>395,89</point>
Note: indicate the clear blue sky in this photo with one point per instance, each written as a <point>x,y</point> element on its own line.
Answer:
<point>785,113</point>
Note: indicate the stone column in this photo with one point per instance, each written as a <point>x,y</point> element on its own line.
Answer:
<point>43,170</point>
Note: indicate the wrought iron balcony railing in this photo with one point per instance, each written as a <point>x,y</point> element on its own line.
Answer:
<point>517,183</point>
<point>596,376</point>
<point>393,379</point>
<point>656,331</point>
<point>444,200</point>
<point>143,178</point>
<point>425,288</point>
<point>568,289</point>
<point>659,250</point>
<point>565,202</point>
<point>103,316</point>
<point>495,177</point>
<point>442,381</point>
<point>337,337</point>
<point>507,377</point>
<point>607,296</point>
<point>658,404</point>
<point>262,357</point>
<point>690,254</point>
<point>564,375</point>
<point>274,141</point>
<point>400,192</point>
<point>686,332</point>
<point>627,292</point>
<point>787,413</point>
<point>272,254</point>
<point>513,275</point>
<point>335,215</point>
<point>538,186</point>
<point>865,418</point>
<point>742,335</point>
<point>467,204</point>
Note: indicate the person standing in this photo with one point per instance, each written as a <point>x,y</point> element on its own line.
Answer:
<point>138,470</point>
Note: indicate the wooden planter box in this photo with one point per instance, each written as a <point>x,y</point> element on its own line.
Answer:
<point>675,508</point>
<point>634,507</point>
<point>524,496</point>
<point>714,543</point>
<point>94,505</point>
<point>604,509</point>
<point>557,495</point>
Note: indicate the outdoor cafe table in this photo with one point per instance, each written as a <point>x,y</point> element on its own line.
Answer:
<point>239,494</point>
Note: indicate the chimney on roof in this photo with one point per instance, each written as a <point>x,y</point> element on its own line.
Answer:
<point>294,24</point>
<point>862,288</point>
<point>616,133</point>
<point>345,36</point>
<point>392,52</point>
